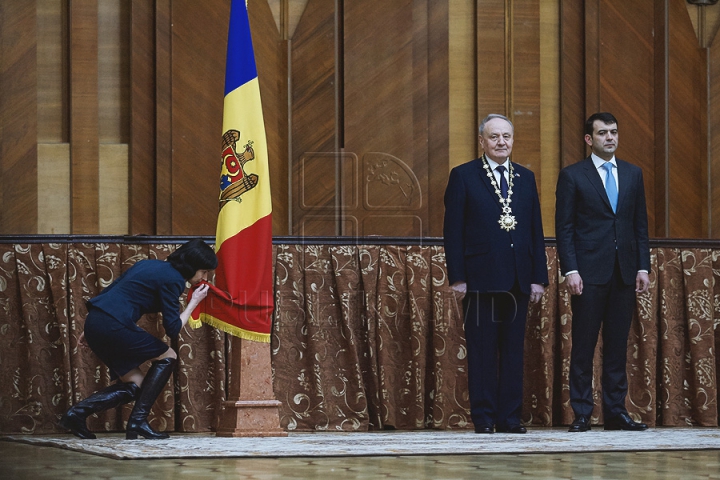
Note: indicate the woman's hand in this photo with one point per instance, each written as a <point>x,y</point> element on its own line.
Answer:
<point>200,293</point>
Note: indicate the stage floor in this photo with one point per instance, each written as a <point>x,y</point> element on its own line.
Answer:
<point>350,444</point>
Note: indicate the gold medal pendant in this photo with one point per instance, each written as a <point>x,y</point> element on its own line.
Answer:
<point>507,222</point>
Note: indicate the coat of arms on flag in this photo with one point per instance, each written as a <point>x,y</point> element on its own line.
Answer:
<point>233,179</point>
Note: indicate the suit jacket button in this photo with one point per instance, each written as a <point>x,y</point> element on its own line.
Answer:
<point>512,246</point>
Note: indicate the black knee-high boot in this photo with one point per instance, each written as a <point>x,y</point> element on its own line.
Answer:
<point>105,399</point>
<point>152,385</point>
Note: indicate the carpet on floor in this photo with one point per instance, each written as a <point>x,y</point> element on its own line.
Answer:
<point>340,444</point>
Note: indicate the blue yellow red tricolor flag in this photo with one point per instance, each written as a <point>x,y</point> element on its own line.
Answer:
<point>241,301</point>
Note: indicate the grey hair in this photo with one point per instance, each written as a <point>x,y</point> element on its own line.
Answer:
<point>491,117</point>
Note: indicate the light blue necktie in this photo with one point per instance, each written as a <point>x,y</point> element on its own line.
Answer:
<point>611,186</point>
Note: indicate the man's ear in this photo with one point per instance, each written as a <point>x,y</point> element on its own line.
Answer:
<point>588,140</point>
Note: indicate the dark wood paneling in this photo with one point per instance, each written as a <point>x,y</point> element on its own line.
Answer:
<point>662,149</point>
<point>492,59</point>
<point>620,78</point>
<point>271,56</point>
<point>386,115</point>
<point>713,122</point>
<point>18,118</point>
<point>438,113</point>
<point>52,67</point>
<point>114,81</point>
<point>315,112</point>
<point>572,81</point>
<point>687,127</point>
<point>524,108</point>
<point>141,211</point>
<point>199,40</point>
<point>84,134</point>
<point>163,118</point>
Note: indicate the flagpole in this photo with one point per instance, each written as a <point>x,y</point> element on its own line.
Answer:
<point>241,301</point>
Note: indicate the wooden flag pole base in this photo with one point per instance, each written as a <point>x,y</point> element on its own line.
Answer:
<point>252,410</point>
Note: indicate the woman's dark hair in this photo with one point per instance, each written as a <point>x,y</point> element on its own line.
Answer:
<point>193,256</point>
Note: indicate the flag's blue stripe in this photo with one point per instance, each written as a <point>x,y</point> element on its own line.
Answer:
<point>240,67</point>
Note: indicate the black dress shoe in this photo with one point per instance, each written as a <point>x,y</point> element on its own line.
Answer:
<point>484,429</point>
<point>511,429</point>
<point>581,424</point>
<point>624,422</point>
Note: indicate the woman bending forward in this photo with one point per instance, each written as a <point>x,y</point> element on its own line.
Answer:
<point>111,332</point>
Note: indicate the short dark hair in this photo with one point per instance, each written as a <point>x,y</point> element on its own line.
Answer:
<point>193,256</point>
<point>605,117</point>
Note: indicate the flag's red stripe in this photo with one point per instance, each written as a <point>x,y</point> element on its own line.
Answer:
<point>245,273</point>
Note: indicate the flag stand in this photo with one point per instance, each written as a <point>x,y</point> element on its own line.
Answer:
<point>252,410</point>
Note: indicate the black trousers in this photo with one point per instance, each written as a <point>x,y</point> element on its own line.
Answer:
<point>611,306</point>
<point>495,336</point>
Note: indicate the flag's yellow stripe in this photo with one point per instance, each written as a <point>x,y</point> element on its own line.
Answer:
<point>243,112</point>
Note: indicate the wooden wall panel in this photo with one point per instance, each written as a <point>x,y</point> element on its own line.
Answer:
<point>687,119</point>
<point>141,181</point>
<point>271,56</point>
<point>52,65</point>
<point>114,71</point>
<point>84,134</point>
<point>713,122</point>
<point>438,28</point>
<point>550,114</point>
<point>366,106</point>
<point>523,109</point>
<point>492,62</point>
<point>620,78</point>
<point>661,198</point>
<point>315,114</point>
<point>53,181</point>
<point>53,188</point>
<point>112,184</point>
<point>386,115</point>
<point>163,118</point>
<point>572,86</point>
<point>462,78</point>
<point>18,117</point>
<point>199,40</point>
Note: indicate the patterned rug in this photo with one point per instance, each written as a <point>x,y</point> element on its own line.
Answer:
<point>383,443</point>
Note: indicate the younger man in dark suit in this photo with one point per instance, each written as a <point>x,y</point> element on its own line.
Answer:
<point>602,241</point>
<point>495,252</point>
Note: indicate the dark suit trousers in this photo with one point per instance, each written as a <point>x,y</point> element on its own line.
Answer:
<point>611,306</point>
<point>495,336</point>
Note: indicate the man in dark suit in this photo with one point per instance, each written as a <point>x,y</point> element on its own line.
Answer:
<point>602,241</point>
<point>495,252</point>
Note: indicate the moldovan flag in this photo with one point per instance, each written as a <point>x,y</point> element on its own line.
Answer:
<point>241,301</point>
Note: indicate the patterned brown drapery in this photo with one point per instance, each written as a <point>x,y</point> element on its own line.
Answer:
<point>365,337</point>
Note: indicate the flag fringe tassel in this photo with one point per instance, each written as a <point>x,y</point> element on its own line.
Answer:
<point>227,328</point>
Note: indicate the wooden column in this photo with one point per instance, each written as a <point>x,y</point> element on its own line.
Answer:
<point>18,118</point>
<point>163,118</point>
<point>143,123</point>
<point>84,137</point>
<point>252,410</point>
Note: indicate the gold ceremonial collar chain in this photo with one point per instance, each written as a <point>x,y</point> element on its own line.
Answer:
<point>507,220</point>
